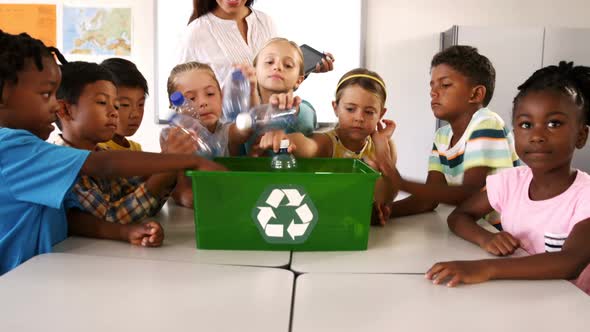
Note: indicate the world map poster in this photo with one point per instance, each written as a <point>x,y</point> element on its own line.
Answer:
<point>97,31</point>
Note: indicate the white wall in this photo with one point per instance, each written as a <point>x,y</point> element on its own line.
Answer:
<point>402,36</point>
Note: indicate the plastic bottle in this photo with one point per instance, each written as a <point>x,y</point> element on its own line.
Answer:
<point>182,105</point>
<point>208,146</point>
<point>283,161</point>
<point>267,117</point>
<point>236,96</point>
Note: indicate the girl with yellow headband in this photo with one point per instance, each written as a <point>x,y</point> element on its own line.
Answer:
<point>361,132</point>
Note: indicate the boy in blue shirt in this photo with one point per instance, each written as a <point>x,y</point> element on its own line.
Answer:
<point>36,176</point>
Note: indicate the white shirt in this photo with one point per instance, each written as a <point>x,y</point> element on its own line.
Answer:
<point>219,43</point>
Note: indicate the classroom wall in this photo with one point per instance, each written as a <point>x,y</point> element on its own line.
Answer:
<point>142,54</point>
<point>402,36</point>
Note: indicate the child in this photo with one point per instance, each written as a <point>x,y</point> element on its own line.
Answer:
<point>474,144</point>
<point>36,176</point>
<point>88,116</point>
<point>132,91</point>
<point>359,106</point>
<point>279,70</point>
<point>197,82</point>
<point>544,205</point>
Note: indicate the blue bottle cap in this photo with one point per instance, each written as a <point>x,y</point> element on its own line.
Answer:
<point>177,98</point>
<point>237,76</point>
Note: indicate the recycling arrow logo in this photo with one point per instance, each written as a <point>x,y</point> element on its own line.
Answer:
<point>285,214</point>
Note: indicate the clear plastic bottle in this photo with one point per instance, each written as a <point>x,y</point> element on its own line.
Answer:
<point>208,146</point>
<point>266,117</point>
<point>236,96</point>
<point>283,161</point>
<point>182,105</point>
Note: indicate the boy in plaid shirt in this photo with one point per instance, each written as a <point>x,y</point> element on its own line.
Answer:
<point>88,116</point>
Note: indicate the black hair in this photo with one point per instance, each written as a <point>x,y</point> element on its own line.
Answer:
<point>565,78</point>
<point>15,50</point>
<point>203,7</point>
<point>466,60</point>
<point>76,75</point>
<point>126,73</point>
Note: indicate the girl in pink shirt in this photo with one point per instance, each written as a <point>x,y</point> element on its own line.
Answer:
<point>545,206</point>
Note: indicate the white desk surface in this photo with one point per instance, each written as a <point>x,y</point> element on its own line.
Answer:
<point>65,292</point>
<point>179,245</point>
<point>357,302</point>
<point>405,245</point>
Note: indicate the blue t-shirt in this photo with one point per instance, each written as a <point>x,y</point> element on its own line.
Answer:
<point>35,178</point>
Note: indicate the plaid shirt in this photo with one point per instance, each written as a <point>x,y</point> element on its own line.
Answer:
<point>118,200</point>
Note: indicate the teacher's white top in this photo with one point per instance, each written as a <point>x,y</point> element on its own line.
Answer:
<point>218,42</point>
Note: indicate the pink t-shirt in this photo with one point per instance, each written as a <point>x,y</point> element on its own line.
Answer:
<point>541,226</point>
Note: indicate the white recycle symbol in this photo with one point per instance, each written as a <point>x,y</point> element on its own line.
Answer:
<point>266,214</point>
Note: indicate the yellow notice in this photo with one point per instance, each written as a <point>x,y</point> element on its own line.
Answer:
<point>36,20</point>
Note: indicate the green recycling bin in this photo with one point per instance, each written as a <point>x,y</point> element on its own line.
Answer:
<point>325,204</point>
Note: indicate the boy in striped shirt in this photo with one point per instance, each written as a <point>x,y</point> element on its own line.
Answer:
<point>475,142</point>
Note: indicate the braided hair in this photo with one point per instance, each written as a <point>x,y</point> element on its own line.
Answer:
<point>15,50</point>
<point>565,78</point>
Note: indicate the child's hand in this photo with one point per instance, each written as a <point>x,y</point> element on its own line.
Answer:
<point>381,213</point>
<point>272,140</point>
<point>385,129</point>
<point>249,73</point>
<point>389,172</point>
<point>326,65</point>
<point>382,138</point>
<point>149,234</point>
<point>467,272</point>
<point>285,100</point>
<point>178,141</point>
<point>501,244</point>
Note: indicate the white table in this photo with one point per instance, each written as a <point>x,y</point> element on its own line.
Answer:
<point>356,302</point>
<point>179,245</point>
<point>405,245</point>
<point>65,292</point>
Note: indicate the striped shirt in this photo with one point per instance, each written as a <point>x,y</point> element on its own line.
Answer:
<point>485,143</point>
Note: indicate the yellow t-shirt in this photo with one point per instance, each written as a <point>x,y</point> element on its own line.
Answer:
<point>340,151</point>
<point>111,145</point>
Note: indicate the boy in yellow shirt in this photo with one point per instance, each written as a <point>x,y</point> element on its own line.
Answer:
<point>132,90</point>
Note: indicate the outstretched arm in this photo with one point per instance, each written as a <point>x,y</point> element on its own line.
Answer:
<point>318,145</point>
<point>110,164</point>
<point>565,264</point>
